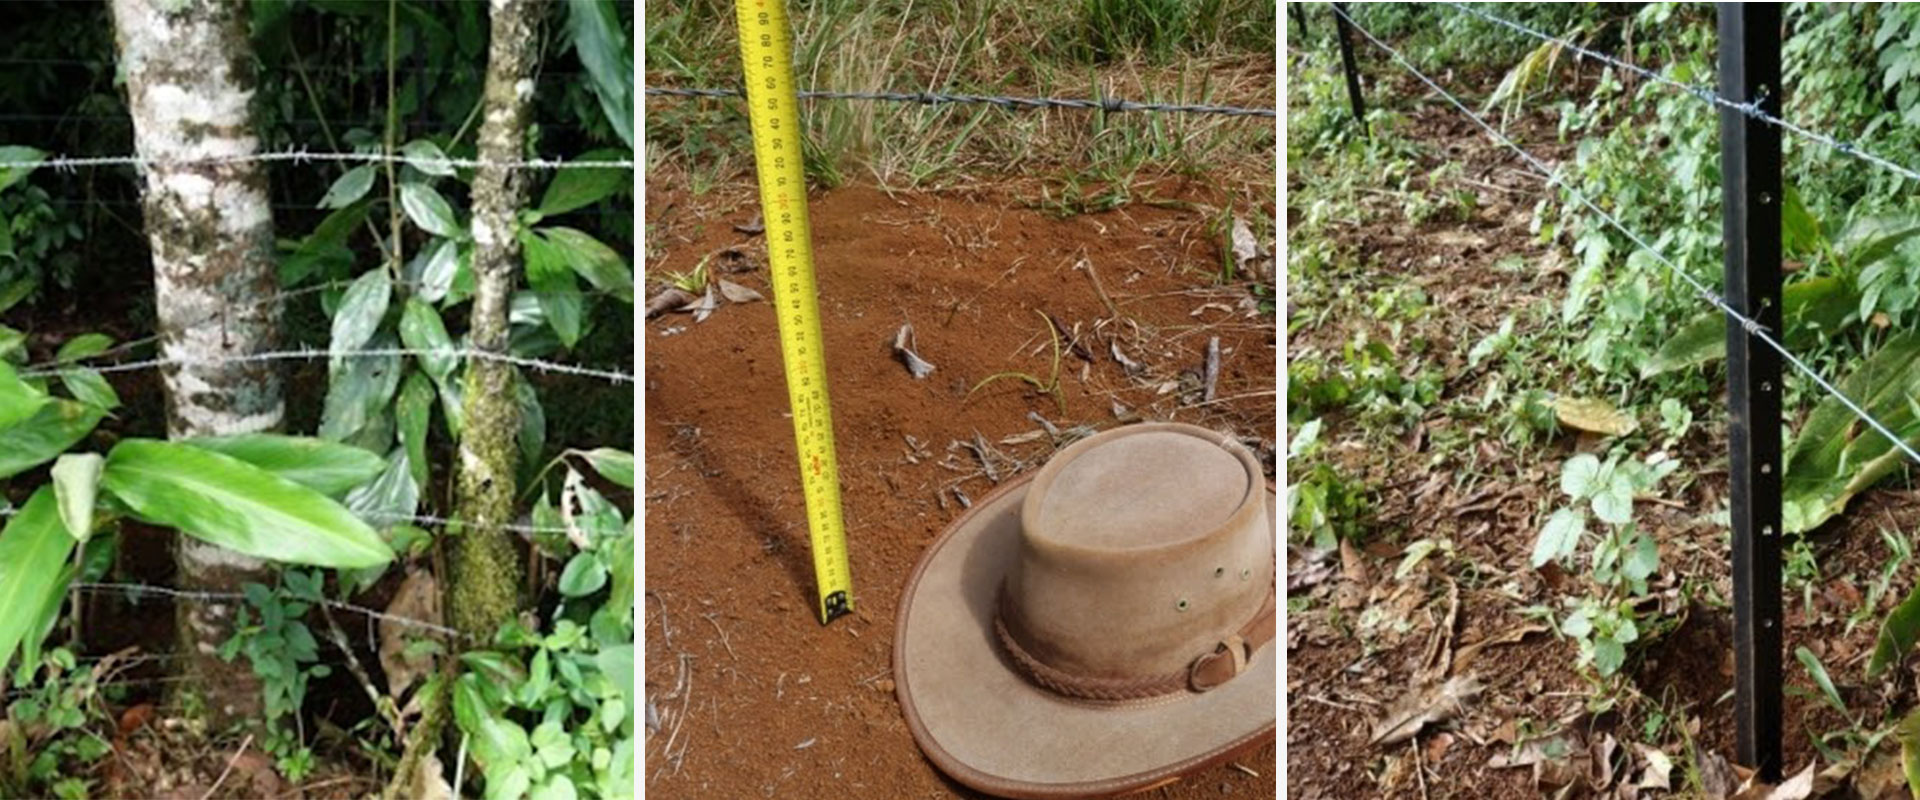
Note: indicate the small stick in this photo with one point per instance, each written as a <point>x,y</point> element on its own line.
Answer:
<point>1212,370</point>
<point>723,634</point>
<point>386,709</point>
<point>1102,290</point>
<point>229,770</point>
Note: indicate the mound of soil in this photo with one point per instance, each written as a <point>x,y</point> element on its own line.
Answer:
<point>754,697</point>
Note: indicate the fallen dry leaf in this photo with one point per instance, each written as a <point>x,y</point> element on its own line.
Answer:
<point>735,293</point>
<point>417,599</point>
<point>1464,658</point>
<point>1717,778</point>
<point>703,307</point>
<point>903,347</point>
<point>1435,703</point>
<point>1658,773</point>
<point>753,227</point>
<point>1798,787</point>
<point>1600,774</point>
<point>1593,415</point>
<point>670,299</point>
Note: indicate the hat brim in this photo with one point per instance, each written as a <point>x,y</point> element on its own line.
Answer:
<point>984,724</point>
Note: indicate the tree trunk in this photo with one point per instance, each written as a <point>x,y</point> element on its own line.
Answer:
<point>189,71</point>
<point>486,566</point>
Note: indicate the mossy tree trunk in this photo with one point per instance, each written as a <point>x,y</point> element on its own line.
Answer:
<point>189,72</point>
<point>486,566</point>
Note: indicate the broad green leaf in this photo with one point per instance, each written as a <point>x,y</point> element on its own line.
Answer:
<point>325,248</point>
<point>413,411</point>
<point>76,484</point>
<point>433,270</point>
<point>1898,632</point>
<point>1608,656</point>
<point>1799,233</point>
<point>329,468</point>
<point>228,502</point>
<point>90,387</point>
<point>1614,503</point>
<point>428,210</point>
<point>349,188</point>
<point>1580,476</point>
<point>11,341</point>
<point>1833,456</point>
<point>11,175</point>
<point>1701,341</point>
<point>614,465</point>
<point>617,663</point>
<point>453,409</point>
<point>427,157</point>
<point>391,497</point>
<point>34,548</point>
<point>422,329</point>
<point>85,345</point>
<point>583,576</point>
<point>11,294</point>
<point>1559,537</point>
<point>557,786</point>
<point>500,741</point>
<point>593,260</point>
<point>360,311</point>
<point>1813,308</point>
<point>513,782</point>
<point>56,427</point>
<point>1908,732</point>
<point>533,421</point>
<point>1820,678</point>
<point>19,400</point>
<point>594,28</point>
<point>620,603</point>
<point>358,392</point>
<point>552,281</point>
<point>1643,560</point>
<point>578,188</point>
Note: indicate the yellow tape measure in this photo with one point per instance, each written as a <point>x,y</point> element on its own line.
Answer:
<point>773,108</point>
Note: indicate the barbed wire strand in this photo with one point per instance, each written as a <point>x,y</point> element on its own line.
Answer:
<point>1108,104</point>
<point>535,364</point>
<point>1752,327</point>
<point>421,519</point>
<point>1750,109</point>
<point>185,594</point>
<point>309,157</point>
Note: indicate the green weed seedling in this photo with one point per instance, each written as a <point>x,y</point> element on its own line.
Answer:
<point>47,734</point>
<point>1050,386</point>
<point>282,651</point>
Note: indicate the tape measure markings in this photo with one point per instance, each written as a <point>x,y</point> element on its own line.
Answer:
<point>773,112</point>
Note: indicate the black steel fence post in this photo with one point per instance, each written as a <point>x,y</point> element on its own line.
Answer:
<point>1751,194</point>
<point>1353,72</point>
<point>1299,15</point>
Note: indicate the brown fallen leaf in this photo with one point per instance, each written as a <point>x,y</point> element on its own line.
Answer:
<point>756,226</point>
<point>417,599</point>
<point>735,293</point>
<point>1434,703</point>
<point>703,307</point>
<point>670,299</point>
<point>1593,415</point>
<point>903,348</point>
<point>1718,781</point>
<point>1600,772</point>
<point>1658,773</point>
<point>1464,658</point>
<point>1798,787</point>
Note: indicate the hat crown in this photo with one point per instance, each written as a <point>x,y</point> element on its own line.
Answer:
<point>1140,549</point>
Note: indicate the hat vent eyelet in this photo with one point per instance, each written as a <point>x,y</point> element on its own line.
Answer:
<point>1180,606</point>
<point>1245,574</point>
<point>1219,571</point>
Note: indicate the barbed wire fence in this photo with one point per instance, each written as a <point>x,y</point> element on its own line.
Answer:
<point>1752,68</point>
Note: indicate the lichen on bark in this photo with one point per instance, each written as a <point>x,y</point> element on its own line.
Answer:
<point>188,69</point>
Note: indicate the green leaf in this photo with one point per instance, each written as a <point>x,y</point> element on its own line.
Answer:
<point>428,210</point>
<point>34,549</point>
<point>583,576</point>
<point>358,393</point>
<point>1898,632</point>
<point>512,785</point>
<point>1833,457</point>
<point>617,663</point>
<point>500,741</point>
<point>593,260</point>
<point>578,188</point>
<point>1643,560</point>
<point>390,497</point>
<point>349,188</point>
<point>422,329</point>
<point>329,468</point>
<point>11,175</point>
<point>1701,341</point>
<point>56,427</point>
<point>1908,733</point>
<point>1799,233</point>
<point>414,410</point>
<point>1559,537</point>
<point>597,36</point>
<point>533,421</point>
<point>85,345</point>
<point>552,281</point>
<point>90,387</point>
<point>614,465</point>
<point>1608,655</point>
<point>433,270</point>
<point>1579,477</point>
<point>76,483</point>
<point>1614,504</point>
<point>427,157</point>
<point>19,400</point>
<point>1820,678</point>
<point>557,786</point>
<point>360,312</point>
<point>228,502</point>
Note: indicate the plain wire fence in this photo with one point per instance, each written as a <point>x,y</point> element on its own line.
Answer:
<point>1553,178</point>
<point>1706,95</point>
<point>1107,104</point>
